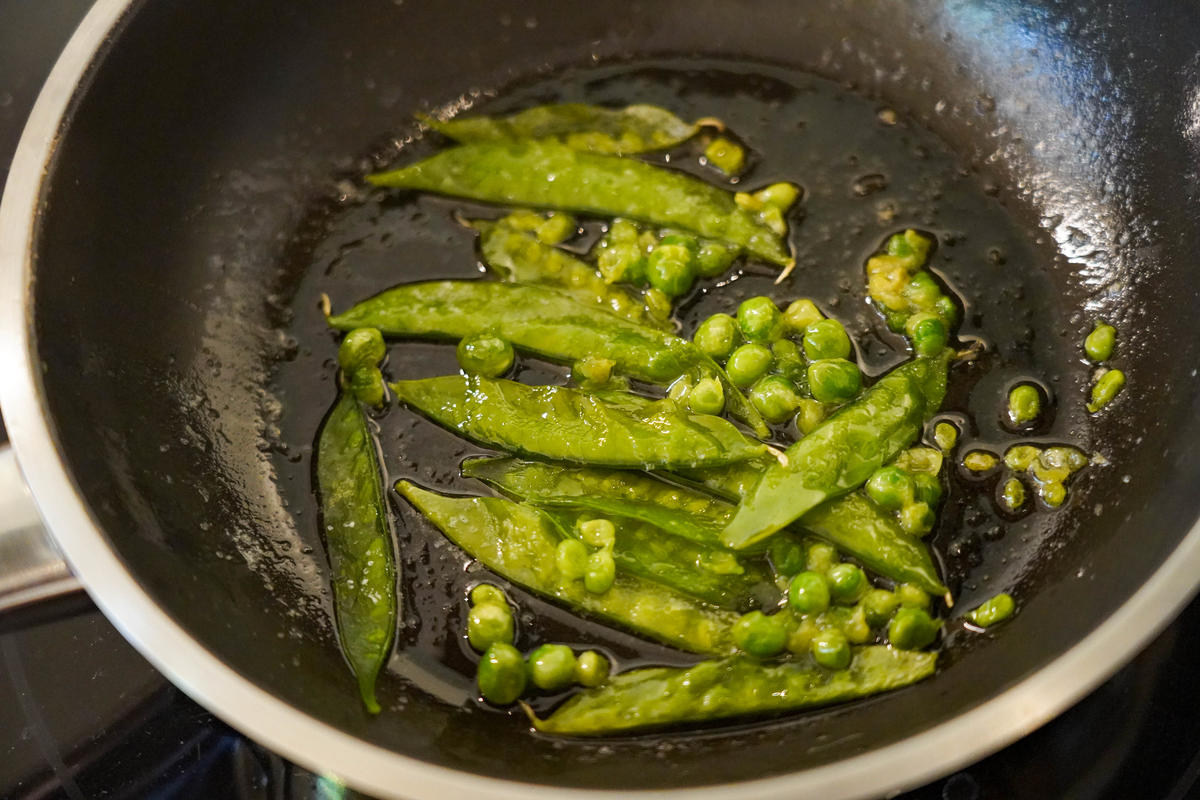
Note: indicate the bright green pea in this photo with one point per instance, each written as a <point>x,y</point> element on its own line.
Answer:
<point>593,371</point>
<point>501,674</point>
<point>808,593</point>
<point>759,319</point>
<point>622,263</point>
<point>916,519</point>
<point>622,231</point>
<point>717,336</point>
<point>1024,404</point>
<point>1013,494</point>
<point>486,355</point>
<point>691,243</point>
<point>928,334</point>
<point>922,290</point>
<point>598,532</point>
<point>911,596</point>
<point>912,629</point>
<point>727,156</point>
<point>847,583</point>
<point>488,623</point>
<point>761,635</point>
<point>1054,493</point>
<point>993,611</point>
<point>856,628</point>
<point>775,397</point>
<point>714,258</point>
<point>601,572</point>
<point>826,338</point>
<point>945,436</point>
<point>800,314</point>
<point>834,380</point>
<point>657,303</point>
<point>707,397</point>
<point>891,488</point>
<point>801,636</point>
<point>821,557</point>
<point>1109,385</point>
<point>485,593</point>
<point>747,364</point>
<point>979,461</point>
<point>571,558</point>
<point>789,362</point>
<point>878,605</point>
<point>781,195</point>
<point>557,228</point>
<point>669,269</point>
<point>831,649</point>
<point>787,554</point>
<point>810,414</point>
<point>591,669</point>
<point>947,309</point>
<point>928,489</point>
<point>551,667</point>
<point>1099,343</point>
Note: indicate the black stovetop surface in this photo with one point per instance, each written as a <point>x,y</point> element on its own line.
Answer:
<point>82,715</point>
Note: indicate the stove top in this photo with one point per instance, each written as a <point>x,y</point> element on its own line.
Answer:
<point>82,715</point>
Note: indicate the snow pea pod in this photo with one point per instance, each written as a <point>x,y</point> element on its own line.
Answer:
<point>544,322</point>
<point>657,697</point>
<point>843,451</point>
<point>519,543</point>
<point>519,257</point>
<point>545,174</point>
<point>564,424</point>
<point>358,541</point>
<point>619,131</point>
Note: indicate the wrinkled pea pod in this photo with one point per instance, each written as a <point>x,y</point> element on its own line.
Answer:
<point>520,543</point>
<point>564,424</point>
<point>545,174</point>
<point>657,697</point>
<point>518,257</point>
<point>544,322</point>
<point>618,131</point>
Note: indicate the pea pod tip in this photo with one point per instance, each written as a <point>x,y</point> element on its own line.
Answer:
<point>709,122</point>
<point>787,270</point>
<point>326,306</point>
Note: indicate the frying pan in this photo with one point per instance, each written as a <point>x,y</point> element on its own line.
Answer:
<point>147,237</point>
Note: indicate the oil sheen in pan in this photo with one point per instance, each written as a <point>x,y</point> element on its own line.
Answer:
<point>866,171</point>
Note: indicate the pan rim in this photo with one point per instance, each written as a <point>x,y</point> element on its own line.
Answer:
<point>963,739</point>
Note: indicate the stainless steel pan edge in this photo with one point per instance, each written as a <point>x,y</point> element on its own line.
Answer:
<point>317,746</point>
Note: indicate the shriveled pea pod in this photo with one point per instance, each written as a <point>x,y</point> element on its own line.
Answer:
<point>544,174</point>
<point>545,322</point>
<point>519,257</point>
<point>619,131</point>
<point>520,543</point>
<point>843,452</point>
<point>734,687</point>
<point>563,424</point>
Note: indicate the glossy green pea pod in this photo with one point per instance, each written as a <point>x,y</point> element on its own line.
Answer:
<point>545,174</point>
<point>843,451</point>
<point>618,131</point>
<point>658,697</point>
<point>544,322</point>
<point>358,540</point>
<point>519,543</point>
<point>519,257</point>
<point>564,424</point>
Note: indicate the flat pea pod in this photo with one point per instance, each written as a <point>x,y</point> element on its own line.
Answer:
<point>519,543</point>
<point>358,541</point>
<point>620,131</point>
<point>545,174</point>
<point>519,257</point>
<point>544,322</point>
<point>564,424</point>
<point>843,451</point>
<point>658,697</point>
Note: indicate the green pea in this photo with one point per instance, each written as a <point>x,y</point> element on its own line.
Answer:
<point>834,380</point>
<point>856,628</point>
<point>993,611</point>
<point>501,674</point>
<point>687,241</point>
<point>657,303</point>
<point>759,319</point>
<point>809,414</point>
<point>1099,343</point>
<point>571,557</point>
<point>725,155</point>
<point>826,338</point>
<point>808,593</point>
<point>780,195</point>
<point>669,269</point>
<point>912,629</point>
<point>775,397</point>
<point>891,488</point>
<point>1013,494</point>
<point>1020,457</point>
<point>623,231</point>
<point>488,623</point>
<point>747,364</point>
<point>787,554</point>
<point>979,461</point>
<point>800,314</point>
<point>831,649</point>
<point>1065,458</point>
<point>928,334</point>
<point>928,489</point>
<point>789,362</point>
<point>552,667</point>
<point>911,596</point>
<point>622,262</point>
<point>598,532</point>
<point>707,397</point>
<point>1109,385</point>
<point>362,347</point>
<point>557,228</point>
<point>878,605</point>
<point>486,355</point>
<point>714,258</point>
<point>601,572</point>
<point>916,519</point>
<point>485,593</point>
<point>1054,494</point>
<point>717,336</point>
<point>801,635</point>
<point>1024,404</point>
<point>945,436</point>
<point>847,583</point>
<point>760,635</point>
<point>947,309</point>
<point>821,557</point>
<point>593,371</point>
<point>591,669</point>
<point>922,290</point>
